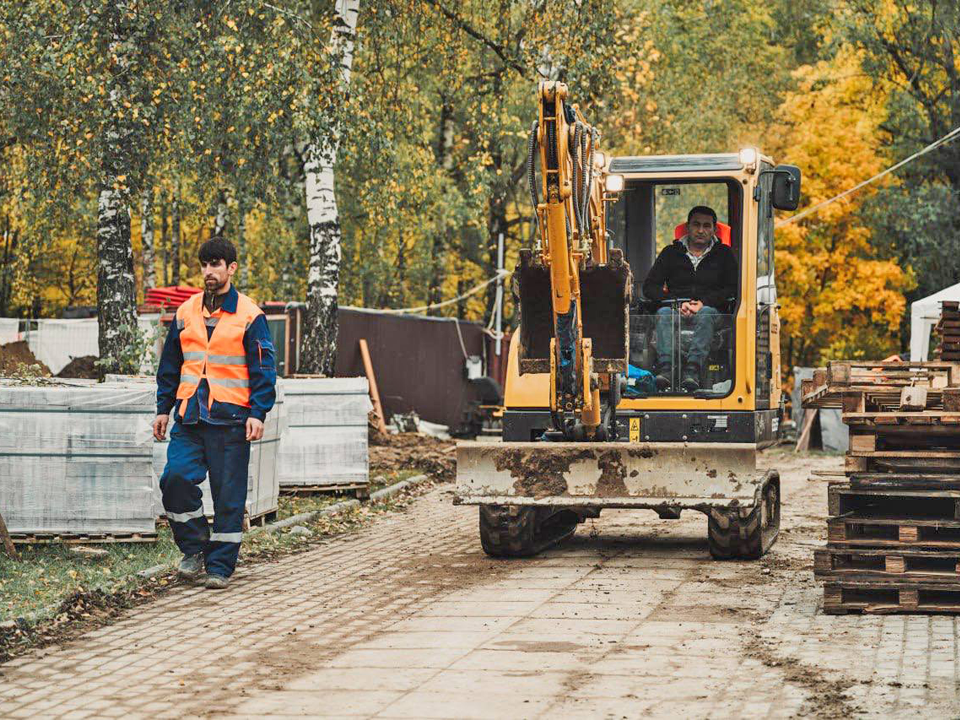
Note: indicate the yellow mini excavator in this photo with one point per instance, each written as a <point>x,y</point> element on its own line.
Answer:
<point>591,421</point>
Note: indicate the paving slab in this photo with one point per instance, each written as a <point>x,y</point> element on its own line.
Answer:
<point>407,618</point>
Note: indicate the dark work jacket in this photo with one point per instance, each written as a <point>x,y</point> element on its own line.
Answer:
<point>713,282</point>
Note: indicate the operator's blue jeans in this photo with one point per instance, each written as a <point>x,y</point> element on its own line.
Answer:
<point>703,323</point>
<point>224,453</point>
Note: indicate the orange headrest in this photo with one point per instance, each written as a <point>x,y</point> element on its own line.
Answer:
<point>723,232</point>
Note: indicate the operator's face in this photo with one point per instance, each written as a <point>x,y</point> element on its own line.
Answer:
<point>216,274</point>
<point>700,228</point>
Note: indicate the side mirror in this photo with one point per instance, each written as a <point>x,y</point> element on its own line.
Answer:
<point>786,187</point>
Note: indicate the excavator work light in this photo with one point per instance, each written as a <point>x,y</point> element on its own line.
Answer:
<point>748,157</point>
<point>614,183</point>
<point>600,158</point>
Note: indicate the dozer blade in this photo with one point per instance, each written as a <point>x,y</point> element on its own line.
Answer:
<point>605,299</point>
<point>627,475</point>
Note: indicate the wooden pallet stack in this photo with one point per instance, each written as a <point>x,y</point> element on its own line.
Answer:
<point>893,531</point>
<point>948,330</point>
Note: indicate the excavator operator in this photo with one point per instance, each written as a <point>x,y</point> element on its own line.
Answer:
<point>698,273</point>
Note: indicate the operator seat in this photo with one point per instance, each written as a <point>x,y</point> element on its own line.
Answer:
<point>723,232</point>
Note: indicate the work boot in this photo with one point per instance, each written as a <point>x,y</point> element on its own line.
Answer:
<point>664,373</point>
<point>217,582</point>
<point>191,567</point>
<point>691,379</point>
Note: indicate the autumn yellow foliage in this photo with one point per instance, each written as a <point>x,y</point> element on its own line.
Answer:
<point>841,291</point>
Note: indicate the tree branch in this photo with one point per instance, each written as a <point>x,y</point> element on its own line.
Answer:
<point>497,48</point>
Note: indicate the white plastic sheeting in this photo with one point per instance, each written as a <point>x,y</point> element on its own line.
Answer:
<point>924,314</point>
<point>77,459</point>
<point>834,435</point>
<point>263,489</point>
<point>9,330</point>
<point>56,342</point>
<point>326,438</point>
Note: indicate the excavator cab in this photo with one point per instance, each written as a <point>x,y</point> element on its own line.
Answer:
<point>663,449</point>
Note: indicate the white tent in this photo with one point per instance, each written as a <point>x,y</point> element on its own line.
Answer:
<point>924,314</point>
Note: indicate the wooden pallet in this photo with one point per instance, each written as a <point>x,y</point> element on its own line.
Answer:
<point>877,597</point>
<point>907,564</point>
<point>856,532</point>
<point>81,538</point>
<point>904,481</point>
<point>359,490</point>
<point>259,520</point>
<point>858,387</point>
<point>922,504</point>
<point>925,461</point>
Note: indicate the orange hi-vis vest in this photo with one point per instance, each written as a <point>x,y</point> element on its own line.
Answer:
<point>222,359</point>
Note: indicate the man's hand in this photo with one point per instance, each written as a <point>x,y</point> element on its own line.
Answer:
<point>254,429</point>
<point>160,426</point>
<point>691,307</point>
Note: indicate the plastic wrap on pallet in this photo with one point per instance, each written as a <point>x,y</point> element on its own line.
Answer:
<point>326,439</point>
<point>76,459</point>
<point>263,489</point>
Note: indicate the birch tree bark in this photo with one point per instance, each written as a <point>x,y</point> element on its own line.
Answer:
<point>319,350</point>
<point>116,296</point>
<point>146,239</point>
<point>220,218</point>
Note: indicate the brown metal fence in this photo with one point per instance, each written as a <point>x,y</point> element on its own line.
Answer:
<point>419,361</point>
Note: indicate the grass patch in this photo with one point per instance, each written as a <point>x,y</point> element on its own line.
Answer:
<point>34,587</point>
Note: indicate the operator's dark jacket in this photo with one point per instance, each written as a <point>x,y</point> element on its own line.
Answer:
<point>713,282</point>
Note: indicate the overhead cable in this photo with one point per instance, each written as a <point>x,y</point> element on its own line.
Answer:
<point>810,210</point>
<point>473,291</point>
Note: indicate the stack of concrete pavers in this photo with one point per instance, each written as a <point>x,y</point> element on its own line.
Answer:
<point>75,462</point>
<point>894,524</point>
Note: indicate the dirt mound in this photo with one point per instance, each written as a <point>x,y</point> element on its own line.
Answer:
<point>429,455</point>
<point>15,354</point>
<point>80,368</point>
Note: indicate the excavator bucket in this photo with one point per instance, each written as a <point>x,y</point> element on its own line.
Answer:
<point>605,296</point>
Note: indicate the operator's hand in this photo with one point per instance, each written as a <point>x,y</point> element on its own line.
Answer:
<point>160,426</point>
<point>685,310</point>
<point>254,429</point>
<point>691,307</point>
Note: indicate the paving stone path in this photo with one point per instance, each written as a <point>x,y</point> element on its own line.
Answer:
<point>407,618</point>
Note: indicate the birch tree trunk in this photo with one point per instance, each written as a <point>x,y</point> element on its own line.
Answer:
<point>319,349</point>
<point>146,238</point>
<point>220,218</point>
<point>175,240</point>
<point>116,298</point>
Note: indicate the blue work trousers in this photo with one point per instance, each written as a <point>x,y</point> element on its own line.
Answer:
<point>223,453</point>
<point>703,323</point>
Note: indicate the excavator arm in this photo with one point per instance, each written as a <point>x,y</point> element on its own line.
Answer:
<point>574,291</point>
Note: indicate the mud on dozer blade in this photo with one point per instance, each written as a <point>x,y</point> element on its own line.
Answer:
<point>532,495</point>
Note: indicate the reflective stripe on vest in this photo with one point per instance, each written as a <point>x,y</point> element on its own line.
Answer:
<point>221,359</point>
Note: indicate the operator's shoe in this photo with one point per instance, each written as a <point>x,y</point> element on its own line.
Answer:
<point>191,568</point>
<point>216,582</point>
<point>691,379</point>
<point>663,378</point>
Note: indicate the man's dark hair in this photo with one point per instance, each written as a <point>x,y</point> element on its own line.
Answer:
<point>702,210</point>
<point>218,249</point>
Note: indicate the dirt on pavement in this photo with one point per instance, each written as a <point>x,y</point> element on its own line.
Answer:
<point>429,455</point>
